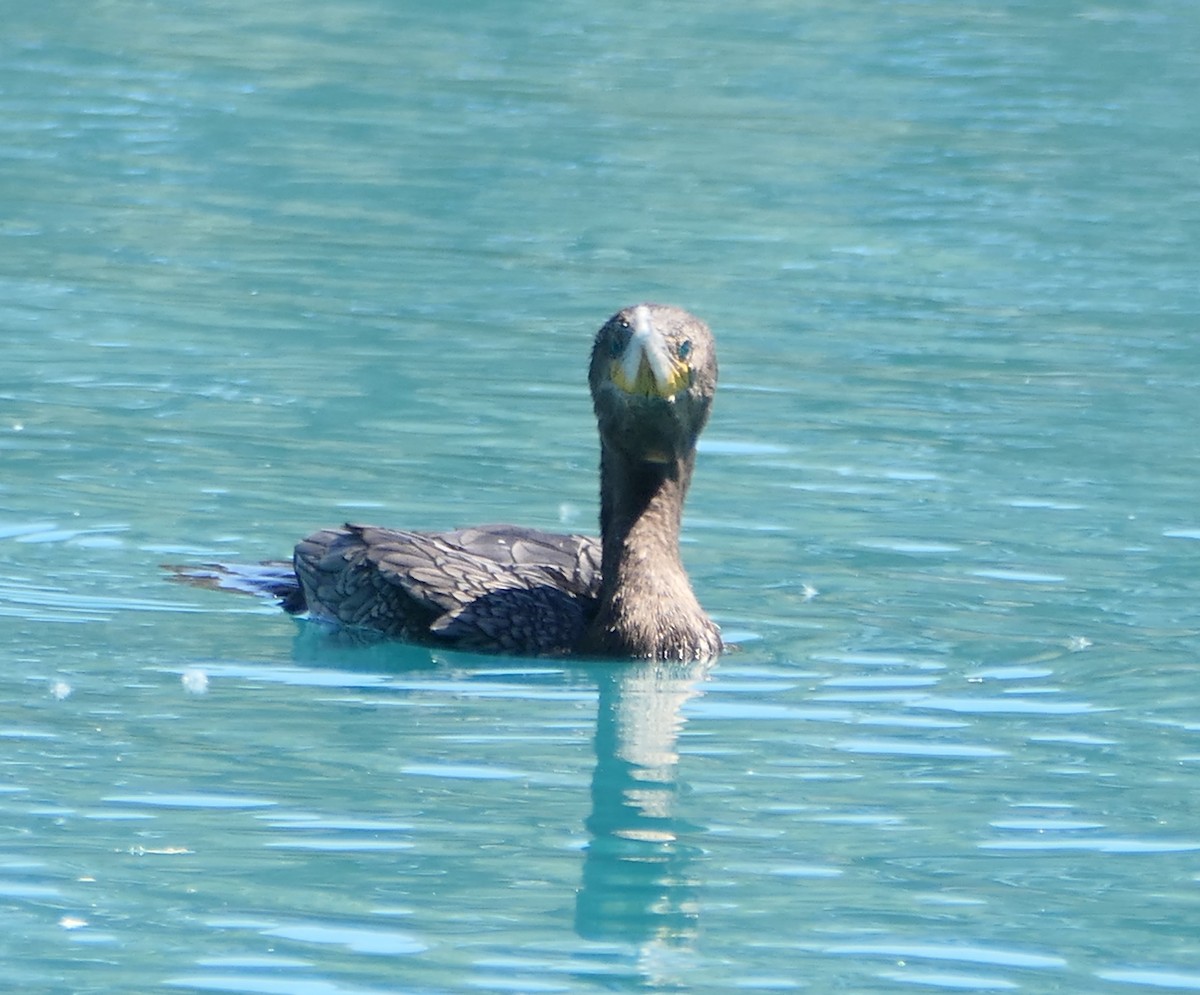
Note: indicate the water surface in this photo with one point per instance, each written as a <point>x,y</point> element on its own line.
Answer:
<point>269,267</point>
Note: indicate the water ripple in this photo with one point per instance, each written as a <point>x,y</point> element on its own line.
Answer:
<point>1093,844</point>
<point>468,772</point>
<point>918,748</point>
<point>996,956</point>
<point>359,939</point>
<point>197,800</point>
<point>62,604</point>
<point>1003,706</point>
<point>1153,978</point>
<point>950,980</point>
<point>256,984</point>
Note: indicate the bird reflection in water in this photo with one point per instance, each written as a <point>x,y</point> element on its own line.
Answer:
<point>638,882</point>
<point>639,878</point>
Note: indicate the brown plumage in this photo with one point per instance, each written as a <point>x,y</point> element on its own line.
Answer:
<point>503,588</point>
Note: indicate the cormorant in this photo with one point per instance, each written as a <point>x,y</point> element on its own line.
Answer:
<point>508,589</point>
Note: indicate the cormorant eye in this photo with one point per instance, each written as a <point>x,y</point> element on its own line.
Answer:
<point>619,340</point>
<point>685,349</point>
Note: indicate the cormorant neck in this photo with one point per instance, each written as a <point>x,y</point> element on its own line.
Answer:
<point>647,608</point>
<point>641,509</point>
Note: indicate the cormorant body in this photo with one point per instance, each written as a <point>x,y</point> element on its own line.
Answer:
<point>508,589</point>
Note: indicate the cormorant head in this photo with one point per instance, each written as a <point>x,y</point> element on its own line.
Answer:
<point>653,375</point>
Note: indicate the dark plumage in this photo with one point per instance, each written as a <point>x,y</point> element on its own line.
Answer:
<point>495,587</point>
<point>503,588</point>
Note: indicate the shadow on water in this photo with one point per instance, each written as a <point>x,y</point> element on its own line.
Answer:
<point>638,883</point>
<point>359,652</point>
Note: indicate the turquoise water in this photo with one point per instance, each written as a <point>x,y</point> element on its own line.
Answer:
<point>266,267</point>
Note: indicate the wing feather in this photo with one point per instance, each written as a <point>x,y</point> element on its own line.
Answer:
<point>494,587</point>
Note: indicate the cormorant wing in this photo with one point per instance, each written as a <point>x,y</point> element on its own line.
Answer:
<point>495,587</point>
